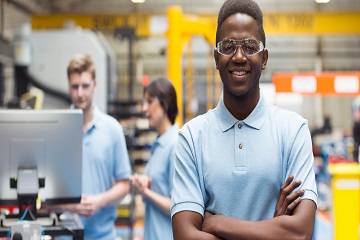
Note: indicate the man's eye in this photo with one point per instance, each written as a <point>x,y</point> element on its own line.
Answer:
<point>250,48</point>
<point>227,48</point>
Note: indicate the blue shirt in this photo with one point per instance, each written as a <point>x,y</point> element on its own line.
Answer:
<point>160,168</point>
<point>236,168</point>
<point>105,160</point>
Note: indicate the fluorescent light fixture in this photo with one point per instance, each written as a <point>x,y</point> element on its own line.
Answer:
<point>138,1</point>
<point>322,1</point>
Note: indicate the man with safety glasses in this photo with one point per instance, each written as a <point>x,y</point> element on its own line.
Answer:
<point>231,162</point>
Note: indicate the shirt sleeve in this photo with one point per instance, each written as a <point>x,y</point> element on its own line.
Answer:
<point>187,191</point>
<point>122,163</point>
<point>171,168</point>
<point>300,162</point>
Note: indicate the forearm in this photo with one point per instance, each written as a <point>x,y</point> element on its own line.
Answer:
<point>116,193</point>
<point>62,207</point>
<point>162,202</point>
<point>187,225</point>
<point>194,234</point>
<point>275,228</point>
<point>298,226</point>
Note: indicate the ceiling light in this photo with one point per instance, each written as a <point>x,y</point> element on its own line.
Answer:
<point>322,1</point>
<point>138,1</point>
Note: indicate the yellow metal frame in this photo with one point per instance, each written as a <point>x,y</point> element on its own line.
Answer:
<point>181,27</point>
<point>190,91</point>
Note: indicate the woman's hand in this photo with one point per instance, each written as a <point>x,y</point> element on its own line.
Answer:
<point>140,182</point>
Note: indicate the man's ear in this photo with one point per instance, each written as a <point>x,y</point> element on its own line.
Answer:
<point>265,57</point>
<point>216,58</point>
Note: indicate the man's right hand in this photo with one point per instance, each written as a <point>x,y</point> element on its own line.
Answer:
<point>287,199</point>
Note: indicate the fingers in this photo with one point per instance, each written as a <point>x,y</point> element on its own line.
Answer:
<point>288,199</point>
<point>287,188</point>
<point>292,201</point>
<point>281,196</point>
<point>140,182</point>
<point>86,209</point>
<point>288,181</point>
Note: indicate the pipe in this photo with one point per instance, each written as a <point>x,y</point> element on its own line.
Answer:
<point>23,79</point>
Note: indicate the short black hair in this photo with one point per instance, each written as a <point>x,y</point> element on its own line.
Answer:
<point>248,7</point>
<point>164,90</point>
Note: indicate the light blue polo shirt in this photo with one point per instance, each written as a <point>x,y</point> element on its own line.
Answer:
<point>160,168</point>
<point>236,168</point>
<point>105,160</point>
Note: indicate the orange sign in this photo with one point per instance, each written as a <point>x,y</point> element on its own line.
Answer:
<point>335,83</point>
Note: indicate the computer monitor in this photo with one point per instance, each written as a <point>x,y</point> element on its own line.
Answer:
<point>40,155</point>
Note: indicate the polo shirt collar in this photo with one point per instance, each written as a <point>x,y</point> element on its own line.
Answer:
<point>256,119</point>
<point>95,120</point>
<point>168,135</point>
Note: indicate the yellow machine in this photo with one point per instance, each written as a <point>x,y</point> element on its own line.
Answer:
<point>345,186</point>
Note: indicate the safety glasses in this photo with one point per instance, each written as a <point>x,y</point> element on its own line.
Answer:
<point>249,47</point>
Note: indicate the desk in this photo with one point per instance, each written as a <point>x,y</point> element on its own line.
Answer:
<point>68,224</point>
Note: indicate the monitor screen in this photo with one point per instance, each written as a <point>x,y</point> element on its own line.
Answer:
<point>46,143</point>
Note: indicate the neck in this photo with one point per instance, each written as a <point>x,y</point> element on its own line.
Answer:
<point>164,126</point>
<point>241,107</point>
<point>88,117</point>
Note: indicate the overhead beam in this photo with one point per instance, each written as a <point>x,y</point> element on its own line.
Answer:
<point>21,7</point>
<point>274,23</point>
<point>312,23</point>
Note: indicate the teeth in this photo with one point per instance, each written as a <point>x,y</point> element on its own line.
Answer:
<point>239,73</point>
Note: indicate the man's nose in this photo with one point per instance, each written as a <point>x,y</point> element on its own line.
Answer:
<point>80,91</point>
<point>239,53</point>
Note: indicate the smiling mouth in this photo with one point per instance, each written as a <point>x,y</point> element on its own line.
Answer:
<point>238,73</point>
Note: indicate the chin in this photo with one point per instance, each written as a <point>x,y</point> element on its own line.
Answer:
<point>80,107</point>
<point>151,125</point>
<point>238,93</point>
<point>241,92</point>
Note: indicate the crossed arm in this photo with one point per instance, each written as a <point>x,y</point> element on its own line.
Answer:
<point>293,219</point>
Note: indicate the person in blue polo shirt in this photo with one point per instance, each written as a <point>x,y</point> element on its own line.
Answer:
<point>105,167</point>
<point>156,184</point>
<point>231,161</point>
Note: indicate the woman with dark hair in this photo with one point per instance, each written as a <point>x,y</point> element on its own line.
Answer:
<point>155,185</point>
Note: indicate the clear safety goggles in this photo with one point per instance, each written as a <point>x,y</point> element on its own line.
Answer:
<point>249,47</point>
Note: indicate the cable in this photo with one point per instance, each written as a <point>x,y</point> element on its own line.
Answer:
<point>32,215</point>
<point>8,235</point>
<point>24,214</point>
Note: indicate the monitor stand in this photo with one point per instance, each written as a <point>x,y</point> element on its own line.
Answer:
<point>27,188</point>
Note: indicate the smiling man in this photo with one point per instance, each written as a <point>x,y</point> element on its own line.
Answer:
<point>231,162</point>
